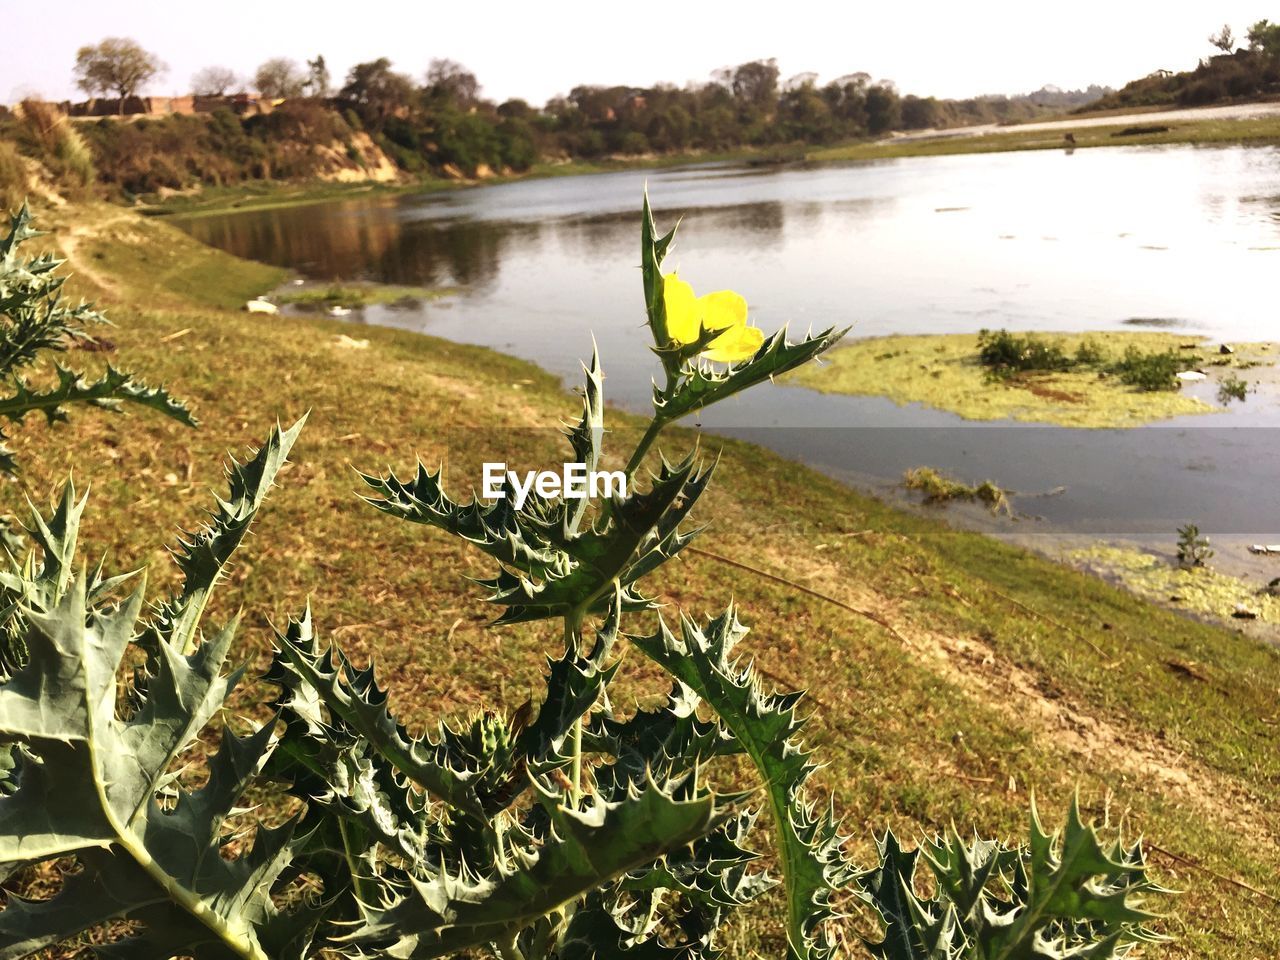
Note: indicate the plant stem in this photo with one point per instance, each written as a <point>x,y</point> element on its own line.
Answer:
<point>651,434</point>
<point>357,884</point>
<point>572,642</point>
<point>508,949</point>
<point>577,761</point>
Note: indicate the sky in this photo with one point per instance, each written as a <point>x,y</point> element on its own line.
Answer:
<point>536,50</point>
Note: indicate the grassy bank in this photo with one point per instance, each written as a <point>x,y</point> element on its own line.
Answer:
<point>1256,132</point>
<point>975,674</point>
<point>943,371</point>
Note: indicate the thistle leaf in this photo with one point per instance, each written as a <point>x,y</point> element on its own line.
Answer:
<point>586,850</point>
<point>653,250</point>
<point>113,389</point>
<point>90,790</point>
<point>575,683</point>
<point>202,557</point>
<point>1062,897</point>
<point>641,532</point>
<point>354,699</point>
<point>701,384</point>
<point>520,541</point>
<point>914,930</point>
<point>665,743</point>
<point>549,566</point>
<point>34,320</point>
<point>765,726</point>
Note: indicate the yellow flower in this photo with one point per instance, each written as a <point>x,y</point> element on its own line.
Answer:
<point>688,315</point>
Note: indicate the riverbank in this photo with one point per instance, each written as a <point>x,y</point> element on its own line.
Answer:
<point>974,674</point>
<point>1204,127</point>
<point>274,195</point>
<point>1133,131</point>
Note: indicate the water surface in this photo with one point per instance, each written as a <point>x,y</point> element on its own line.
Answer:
<point>1180,238</point>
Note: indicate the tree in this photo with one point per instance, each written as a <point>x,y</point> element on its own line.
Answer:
<point>515,109</point>
<point>1264,36</point>
<point>377,92</point>
<point>280,78</point>
<point>884,110</point>
<point>318,79</point>
<point>1224,39</point>
<point>756,84</point>
<point>214,82</point>
<point>919,113</point>
<point>116,65</point>
<point>450,81</point>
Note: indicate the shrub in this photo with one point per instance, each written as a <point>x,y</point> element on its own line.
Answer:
<point>13,176</point>
<point>1231,387</point>
<point>1090,353</point>
<point>54,139</point>
<point>1005,354</point>
<point>1150,371</point>
<point>562,831</point>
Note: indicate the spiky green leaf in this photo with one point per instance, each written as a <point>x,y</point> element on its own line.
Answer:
<point>586,849</point>
<point>766,727</point>
<point>91,789</point>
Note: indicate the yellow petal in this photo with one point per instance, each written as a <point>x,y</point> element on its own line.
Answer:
<point>682,309</point>
<point>738,343</point>
<point>722,310</point>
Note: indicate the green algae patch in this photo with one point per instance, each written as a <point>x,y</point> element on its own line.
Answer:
<point>944,371</point>
<point>938,488</point>
<point>1199,590</point>
<point>353,295</point>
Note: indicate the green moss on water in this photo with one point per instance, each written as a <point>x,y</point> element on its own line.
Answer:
<point>358,295</point>
<point>943,371</point>
<point>1200,590</point>
<point>938,488</point>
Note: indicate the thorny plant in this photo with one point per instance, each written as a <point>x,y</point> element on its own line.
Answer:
<point>564,830</point>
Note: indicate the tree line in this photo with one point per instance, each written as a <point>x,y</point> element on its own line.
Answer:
<point>1239,70</point>
<point>440,121</point>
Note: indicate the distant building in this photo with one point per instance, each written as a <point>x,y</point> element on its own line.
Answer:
<point>244,104</point>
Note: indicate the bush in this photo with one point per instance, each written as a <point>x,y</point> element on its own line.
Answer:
<point>634,144</point>
<point>1005,353</point>
<point>1090,353</point>
<point>1232,388</point>
<point>13,177</point>
<point>52,138</point>
<point>1150,372</point>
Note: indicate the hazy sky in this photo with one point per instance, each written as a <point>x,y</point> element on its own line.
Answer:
<point>536,50</point>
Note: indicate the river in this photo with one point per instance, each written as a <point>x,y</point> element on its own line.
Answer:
<point>1042,240</point>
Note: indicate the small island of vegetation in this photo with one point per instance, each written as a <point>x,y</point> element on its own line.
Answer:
<point>1104,379</point>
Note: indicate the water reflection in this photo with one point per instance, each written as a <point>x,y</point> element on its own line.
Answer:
<point>1102,239</point>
